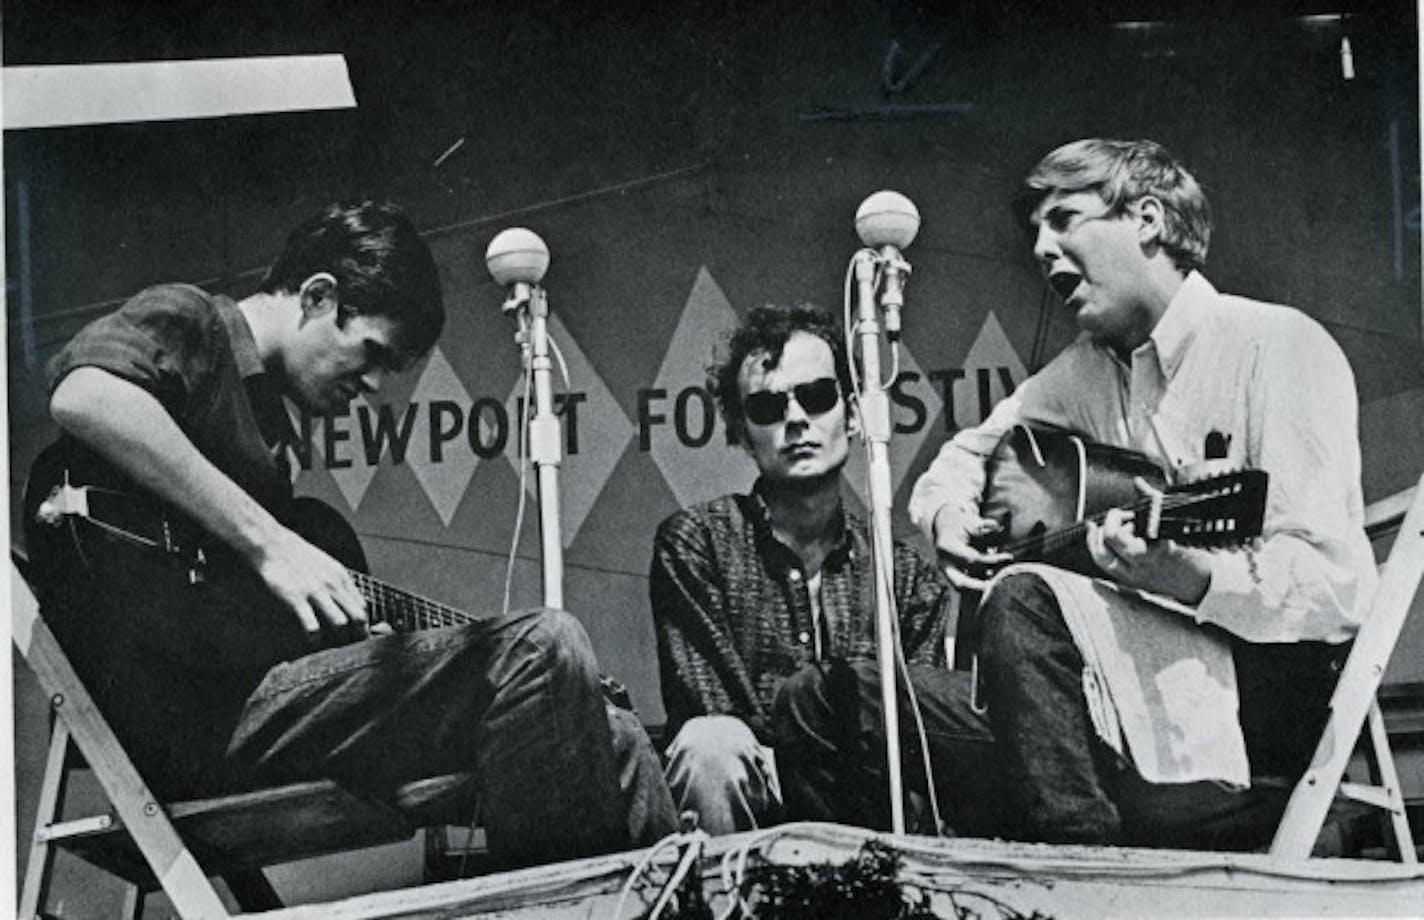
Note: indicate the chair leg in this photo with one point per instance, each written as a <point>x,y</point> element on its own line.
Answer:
<point>51,805</point>
<point>1400,844</point>
<point>253,891</point>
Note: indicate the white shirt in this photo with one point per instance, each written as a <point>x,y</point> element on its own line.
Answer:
<point>1275,386</point>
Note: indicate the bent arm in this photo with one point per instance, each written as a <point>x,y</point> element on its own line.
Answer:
<point>128,427</point>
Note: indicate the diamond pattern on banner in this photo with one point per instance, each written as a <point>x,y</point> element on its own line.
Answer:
<point>595,432</point>
<point>689,442</point>
<point>914,406</point>
<point>443,468</point>
<point>990,359</point>
<point>354,477</point>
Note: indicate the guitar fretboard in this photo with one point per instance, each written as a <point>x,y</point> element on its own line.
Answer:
<point>1075,533</point>
<point>404,611</point>
<point>1221,511</point>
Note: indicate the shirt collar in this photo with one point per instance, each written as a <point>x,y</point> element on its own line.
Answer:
<point>761,518</point>
<point>1174,332</point>
<point>244,346</point>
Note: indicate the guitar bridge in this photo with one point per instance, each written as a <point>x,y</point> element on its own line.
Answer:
<point>63,501</point>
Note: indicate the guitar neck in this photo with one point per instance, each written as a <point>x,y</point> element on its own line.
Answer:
<point>1075,533</point>
<point>1220,512</point>
<point>404,611</point>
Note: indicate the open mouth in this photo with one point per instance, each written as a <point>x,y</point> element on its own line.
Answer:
<point>1064,283</point>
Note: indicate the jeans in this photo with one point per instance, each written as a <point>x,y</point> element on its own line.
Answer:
<point>830,745</point>
<point>647,803</point>
<point>718,768</point>
<point>1063,785</point>
<point>515,700</point>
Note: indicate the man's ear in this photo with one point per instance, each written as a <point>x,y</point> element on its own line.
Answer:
<point>318,294</point>
<point>1151,218</point>
<point>852,415</point>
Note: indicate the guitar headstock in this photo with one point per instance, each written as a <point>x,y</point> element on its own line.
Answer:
<point>1223,510</point>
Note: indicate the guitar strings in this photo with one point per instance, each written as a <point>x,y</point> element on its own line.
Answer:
<point>405,609</point>
<point>1071,532</point>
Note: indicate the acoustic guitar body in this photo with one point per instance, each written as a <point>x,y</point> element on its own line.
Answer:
<point>1040,481</point>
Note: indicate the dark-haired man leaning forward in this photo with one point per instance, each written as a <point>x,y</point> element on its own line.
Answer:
<point>765,615</point>
<point>181,392</point>
<point>1116,715</point>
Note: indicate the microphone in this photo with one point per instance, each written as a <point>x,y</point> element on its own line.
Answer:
<point>887,222</point>
<point>517,257</point>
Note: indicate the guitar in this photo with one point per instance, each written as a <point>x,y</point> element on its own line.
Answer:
<point>1044,486</point>
<point>88,529</point>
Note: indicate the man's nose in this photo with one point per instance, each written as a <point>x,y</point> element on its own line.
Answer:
<point>1045,245</point>
<point>795,415</point>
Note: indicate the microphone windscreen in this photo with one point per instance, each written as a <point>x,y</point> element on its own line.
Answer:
<point>887,218</point>
<point>515,255</point>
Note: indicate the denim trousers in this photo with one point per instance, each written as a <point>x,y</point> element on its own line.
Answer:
<point>1063,785</point>
<point>831,750</point>
<point>513,702</point>
<point>516,701</point>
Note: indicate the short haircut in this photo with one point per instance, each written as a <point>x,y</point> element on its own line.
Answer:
<point>381,265</point>
<point>1122,172</point>
<point>766,329</point>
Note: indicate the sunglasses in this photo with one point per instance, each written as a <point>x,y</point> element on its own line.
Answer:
<point>767,407</point>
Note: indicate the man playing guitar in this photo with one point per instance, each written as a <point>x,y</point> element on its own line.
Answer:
<point>180,393</point>
<point>1114,711</point>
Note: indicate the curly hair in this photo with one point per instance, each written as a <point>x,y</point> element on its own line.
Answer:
<point>765,331</point>
<point>1122,172</point>
<point>381,265</point>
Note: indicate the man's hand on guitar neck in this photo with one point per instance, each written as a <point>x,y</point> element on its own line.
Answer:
<point>954,528</point>
<point>314,586</point>
<point>1161,567</point>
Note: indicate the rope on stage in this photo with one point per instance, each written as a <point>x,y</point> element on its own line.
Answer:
<point>874,884</point>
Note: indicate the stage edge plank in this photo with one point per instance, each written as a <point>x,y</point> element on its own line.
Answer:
<point>992,877</point>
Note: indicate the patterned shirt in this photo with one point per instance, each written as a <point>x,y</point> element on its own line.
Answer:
<point>733,609</point>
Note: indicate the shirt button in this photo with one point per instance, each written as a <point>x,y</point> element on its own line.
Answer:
<point>794,575</point>
<point>805,637</point>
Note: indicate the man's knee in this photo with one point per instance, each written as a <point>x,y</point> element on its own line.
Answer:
<point>822,703</point>
<point>562,639</point>
<point>721,747</point>
<point>799,699</point>
<point>1012,619</point>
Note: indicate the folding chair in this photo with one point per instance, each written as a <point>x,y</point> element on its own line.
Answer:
<point>1355,707</point>
<point>176,847</point>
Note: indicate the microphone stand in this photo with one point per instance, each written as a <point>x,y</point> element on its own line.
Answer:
<point>531,308</point>
<point>875,426</point>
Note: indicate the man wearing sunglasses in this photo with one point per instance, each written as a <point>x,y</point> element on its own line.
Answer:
<point>765,616</point>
